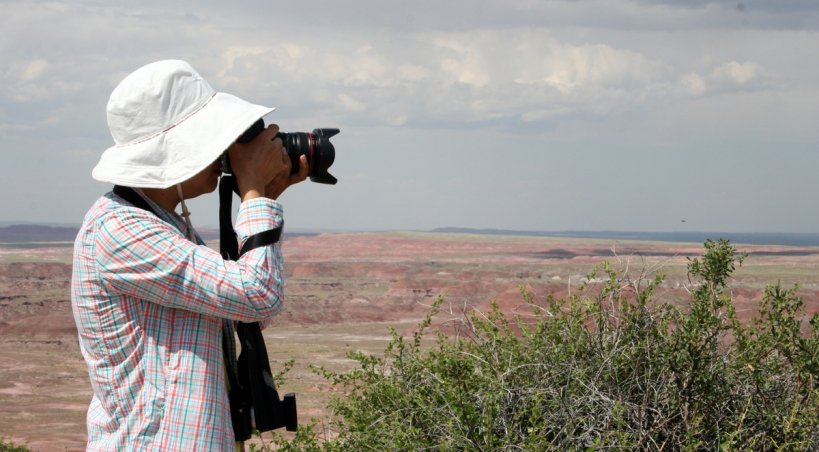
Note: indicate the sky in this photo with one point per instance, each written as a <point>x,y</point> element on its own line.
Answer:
<point>550,115</point>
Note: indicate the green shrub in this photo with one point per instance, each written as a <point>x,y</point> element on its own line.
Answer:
<point>608,367</point>
<point>11,447</point>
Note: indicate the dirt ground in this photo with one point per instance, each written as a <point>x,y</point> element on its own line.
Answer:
<point>344,291</point>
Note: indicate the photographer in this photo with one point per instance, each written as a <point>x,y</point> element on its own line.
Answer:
<point>156,309</point>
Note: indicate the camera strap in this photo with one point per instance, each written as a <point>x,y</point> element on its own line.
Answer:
<point>261,239</point>
<point>228,244</point>
<point>128,194</point>
<point>254,400</point>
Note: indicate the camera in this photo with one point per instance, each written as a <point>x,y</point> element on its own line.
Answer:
<point>315,145</point>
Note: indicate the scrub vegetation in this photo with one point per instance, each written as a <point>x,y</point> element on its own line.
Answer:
<point>610,365</point>
<point>9,446</point>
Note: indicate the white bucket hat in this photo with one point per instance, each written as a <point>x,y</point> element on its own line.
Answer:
<point>168,124</point>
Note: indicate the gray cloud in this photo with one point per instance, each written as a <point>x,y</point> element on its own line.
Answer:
<point>778,6</point>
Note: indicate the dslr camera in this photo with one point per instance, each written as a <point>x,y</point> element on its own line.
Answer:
<point>315,145</point>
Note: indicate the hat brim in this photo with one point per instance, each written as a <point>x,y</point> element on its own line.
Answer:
<point>183,150</point>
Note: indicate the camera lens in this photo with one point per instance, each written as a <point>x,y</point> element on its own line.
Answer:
<point>318,149</point>
<point>315,145</point>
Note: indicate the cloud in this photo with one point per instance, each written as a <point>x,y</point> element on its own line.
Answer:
<point>27,71</point>
<point>779,6</point>
<point>351,104</point>
<point>737,73</point>
<point>452,78</point>
<point>23,81</point>
<point>727,77</point>
<point>693,84</point>
<point>511,73</point>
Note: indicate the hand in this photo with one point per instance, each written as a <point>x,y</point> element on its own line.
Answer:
<point>277,186</point>
<point>257,163</point>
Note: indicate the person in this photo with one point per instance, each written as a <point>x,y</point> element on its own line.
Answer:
<point>154,306</point>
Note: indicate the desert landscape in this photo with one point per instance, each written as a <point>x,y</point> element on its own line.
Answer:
<point>344,292</point>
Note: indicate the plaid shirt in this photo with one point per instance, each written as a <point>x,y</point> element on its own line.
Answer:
<point>150,308</point>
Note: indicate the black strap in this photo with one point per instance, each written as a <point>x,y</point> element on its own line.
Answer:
<point>265,238</point>
<point>269,411</point>
<point>255,388</point>
<point>228,244</point>
<point>240,405</point>
<point>128,194</point>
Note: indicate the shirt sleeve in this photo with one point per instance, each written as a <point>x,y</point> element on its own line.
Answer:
<point>141,256</point>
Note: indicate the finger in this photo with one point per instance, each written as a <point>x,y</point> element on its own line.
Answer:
<point>277,143</point>
<point>274,128</point>
<point>304,171</point>
<point>304,167</point>
<point>269,133</point>
<point>286,162</point>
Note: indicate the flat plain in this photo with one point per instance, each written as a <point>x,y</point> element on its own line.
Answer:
<point>344,291</point>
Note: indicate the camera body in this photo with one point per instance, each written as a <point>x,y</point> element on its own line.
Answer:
<point>316,146</point>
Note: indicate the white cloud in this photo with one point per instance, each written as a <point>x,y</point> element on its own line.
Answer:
<point>730,77</point>
<point>445,77</point>
<point>235,56</point>
<point>693,84</point>
<point>412,73</point>
<point>32,70</point>
<point>350,103</point>
<point>34,80</point>
<point>569,67</point>
<point>738,73</point>
<point>519,74</point>
<point>528,74</point>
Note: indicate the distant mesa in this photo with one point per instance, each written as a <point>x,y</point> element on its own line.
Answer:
<point>35,233</point>
<point>24,234</point>
<point>747,238</point>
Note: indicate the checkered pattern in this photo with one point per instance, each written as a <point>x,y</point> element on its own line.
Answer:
<point>151,308</point>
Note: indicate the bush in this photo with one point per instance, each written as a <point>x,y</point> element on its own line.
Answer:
<point>604,368</point>
<point>11,447</point>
